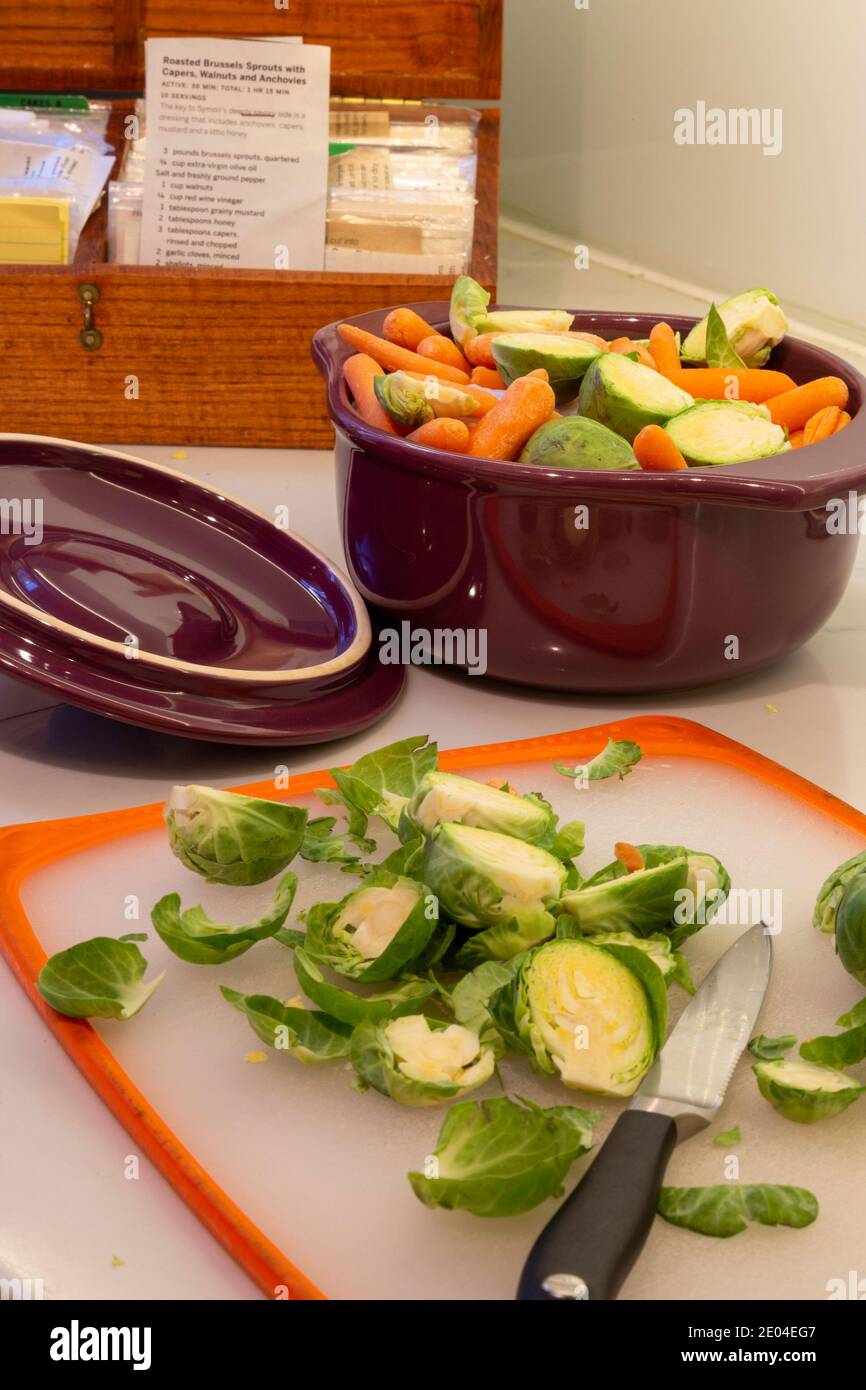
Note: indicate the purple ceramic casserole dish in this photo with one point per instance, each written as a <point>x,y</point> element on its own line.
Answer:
<point>644,591</point>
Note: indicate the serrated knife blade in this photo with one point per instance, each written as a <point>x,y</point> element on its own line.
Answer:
<point>692,1071</point>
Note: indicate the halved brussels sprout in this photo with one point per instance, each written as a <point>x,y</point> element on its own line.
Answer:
<point>565,359</point>
<point>706,887</point>
<point>376,931</point>
<point>596,1015</point>
<point>442,796</point>
<point>831,890</point>
<point>575,442</point>
<point>851,927</point>
<point>412,403</point>
<point>673,965</point>
<point>805,1091</point>
<point>419,1061</point>
<point>712,433</point>
<point>469,315</point>
<point>230,838</point>
<point>643,902</point>
<point>626,396</point>
<point>468,307</point>
<point>485,879</point>
<point>755,323</point>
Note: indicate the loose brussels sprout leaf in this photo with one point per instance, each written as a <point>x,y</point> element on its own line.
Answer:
<point>418,1061</point>
<point>726,1209</point>
<point>851,927</point>
<point>805,1091</point>
<point>626,396</point>
<point>504,942</point>
<point>380,783</point>
<point>501,1157</point>
<point>754,324</point>
<point>442,797</point>
<point>568,843</point>
<point>719,350</point>
<point>527,321</point>
<point>468,307</point>
<point>485,879</point>
<point>471,996</point>
<point>437,950</point>
<point>564,359</point>
<point>352,1008</point>
<point>99,978</point>
<point>831,890</point>
<point>230,838</point>
<point>307,1035</point>
<point>771,1049</point>
<point>643,902</point>
<point>196,938</point>
<point>616,759</point>
<point>852,1019</point>
<point>717,432</point>
<point>728,1138</point>
<point>321,846</point>
<point>411,403</point>
<point>595,1015</point>
<point>407,861</point>
<point>837,1050</point>
<point>375,932</point>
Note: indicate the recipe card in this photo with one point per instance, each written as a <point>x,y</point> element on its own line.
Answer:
<point>236,163</point>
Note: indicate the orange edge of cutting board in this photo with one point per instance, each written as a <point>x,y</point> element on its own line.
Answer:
<point>24,849</point>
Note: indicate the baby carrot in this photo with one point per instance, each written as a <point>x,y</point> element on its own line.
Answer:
<point>663,347</point>
<point>451,435</point>
<point>478,393</point>
<point>396,359</point>
<point>656,451</point>
<point>442,349</point>
<point>794,408</point>
<point>540,374</point>
<point>526,405</point>
<point>406,329</point>
<point>479,352</point>
<point>629,856</point>
<point>360,373</point>
<point>844,419</point>
<point>626,345</point>
<point>601,343</point>
<point>822,424</point>
<point>795,439</point>
<point>489,377</point>
<point>753,384</point>
<point>619,344</point>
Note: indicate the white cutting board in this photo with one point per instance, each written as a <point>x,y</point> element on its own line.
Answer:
<point>321,1168</point>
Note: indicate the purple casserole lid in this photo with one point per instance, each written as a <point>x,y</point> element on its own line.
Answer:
<point>799,480</point>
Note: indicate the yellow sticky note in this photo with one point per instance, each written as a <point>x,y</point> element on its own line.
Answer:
<point>34,231</point>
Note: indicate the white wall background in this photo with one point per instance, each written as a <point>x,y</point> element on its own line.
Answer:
<point>588,148</point>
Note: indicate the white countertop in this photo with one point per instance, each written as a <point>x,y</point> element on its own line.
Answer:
<point>61,1153</point>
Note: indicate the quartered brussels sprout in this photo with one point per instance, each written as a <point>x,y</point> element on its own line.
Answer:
<point>564,358</point>
<point>230,838</point>
<point>643,902</point>
<point>755,323</point>
<point>376,931</point>
<point>717,432</point>
<point>412,403</point>
<point>805,1091</point>
<point>626,396</point>
<point>484,879</point>
<point>303,1033</point>
<point>695,901</point>
<point>594,1015</point>
<point>420,1061</point>
<point>442,796</point>
<point>469,315</point>
<point>831,890</point>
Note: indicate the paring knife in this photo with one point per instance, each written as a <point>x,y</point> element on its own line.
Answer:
<point>586,1250</point>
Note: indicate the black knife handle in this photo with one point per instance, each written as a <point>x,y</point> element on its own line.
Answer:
<point>586,1250</point>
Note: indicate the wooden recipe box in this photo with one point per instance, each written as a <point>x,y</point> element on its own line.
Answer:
<point>221,356</point>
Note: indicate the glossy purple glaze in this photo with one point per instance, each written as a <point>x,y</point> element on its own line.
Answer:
<point>128,548</point>
<point>641,599</point>
<point>226,717</point>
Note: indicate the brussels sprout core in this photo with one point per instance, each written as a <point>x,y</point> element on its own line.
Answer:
<point>372,917</point>
<point>443,1056</point>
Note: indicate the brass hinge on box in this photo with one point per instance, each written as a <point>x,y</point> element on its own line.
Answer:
<point>90,337</point>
